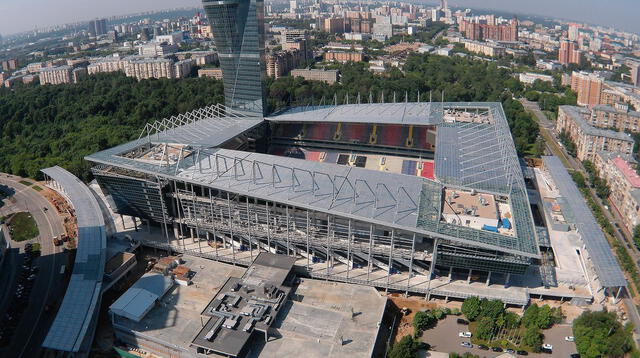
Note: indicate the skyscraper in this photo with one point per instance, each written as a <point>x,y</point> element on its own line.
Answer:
<point>97,27</point>
<point>238,31</point>
<point>568,53</point>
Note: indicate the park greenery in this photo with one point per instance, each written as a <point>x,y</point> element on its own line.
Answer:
<point>503,328</point>
<point>41,126</point>
<point>600,335</point>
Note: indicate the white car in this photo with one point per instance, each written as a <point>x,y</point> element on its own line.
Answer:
<point>570,338</point>
<point>464,334</point>
<point>547,346</point>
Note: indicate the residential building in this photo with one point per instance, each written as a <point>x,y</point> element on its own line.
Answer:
<point>334,25</point>
<point>97,27</point>
<point>480,32</point>
<point>242,62</point>
<point>634,72</point>
<point>328,76</point>
<point>56,75</point>
<point>9,65</point>
<point>78,73</point>
<point>210,72</point>
<point>621,175</point>
<point>618,117</point>
<point>34,67</point>
<point>183,68</point>
<point>485,48</point>
<point>589,139</point>
<point>568,53</point>
<point>150,68</point>
<point>107,64</point>
<point>588,86</point>
<point>282,62</point>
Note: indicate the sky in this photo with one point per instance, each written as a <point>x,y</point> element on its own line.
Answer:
<point>22,15</point>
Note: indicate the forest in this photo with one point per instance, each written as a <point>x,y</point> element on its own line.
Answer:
<point>41,126</point>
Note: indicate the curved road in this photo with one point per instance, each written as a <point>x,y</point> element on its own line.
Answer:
<point>48,287</point>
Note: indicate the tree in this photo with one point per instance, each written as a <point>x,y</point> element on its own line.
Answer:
<point>471,308</point>
<point>407,347</point>
<point>599,334</point>
<point>532,338</point>
<point>530,317</point>
<point>485,328</point>
<point>491,308</point>
<point>423,320</point>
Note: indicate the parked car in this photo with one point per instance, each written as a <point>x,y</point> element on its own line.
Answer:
<point>547,346</point>
<point>464,334</point>
<point>462,321</point>
<point>522,353</point>
<point>466,345</point>
<point>509,350</point>
<point>483,347</point>
<point>496,349</point>
<point>570,338</point>
<point>575,355</point>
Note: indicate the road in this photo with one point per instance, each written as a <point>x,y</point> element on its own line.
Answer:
<point>552,140</point>
<point>444,338</point>
<point>47,287</point>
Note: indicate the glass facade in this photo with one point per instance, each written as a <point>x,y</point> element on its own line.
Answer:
<point>238,30</point>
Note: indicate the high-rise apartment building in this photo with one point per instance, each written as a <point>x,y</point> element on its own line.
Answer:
<point>568,53</point>
<point>480,32</point>
<point>588,86</point>
<point>238,30</point>
<point>634,71</point>
<point>97,27</point>
<point>573,32</point>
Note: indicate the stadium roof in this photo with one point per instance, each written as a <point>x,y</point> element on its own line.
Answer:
<point>74,320</point>
<point>379,113</point>
<point>469,155</point>
<point>606,265</point>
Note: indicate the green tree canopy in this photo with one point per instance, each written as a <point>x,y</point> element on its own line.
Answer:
<point>599,334</point>
<point>471,308</point>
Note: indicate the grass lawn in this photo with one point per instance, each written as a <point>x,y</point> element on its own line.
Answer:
<point>36,188</point>
<point>24,182</point>
<point>23,227</point>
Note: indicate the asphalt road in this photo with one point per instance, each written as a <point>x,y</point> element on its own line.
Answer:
<point>444,338</point>
<point>48,287</point>
<point>547,126</point>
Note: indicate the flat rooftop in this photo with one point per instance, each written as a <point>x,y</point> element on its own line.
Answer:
<point>176,319</point>
<point>327,319</point>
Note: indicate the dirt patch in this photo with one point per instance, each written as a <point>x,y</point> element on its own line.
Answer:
<point>414,304</point>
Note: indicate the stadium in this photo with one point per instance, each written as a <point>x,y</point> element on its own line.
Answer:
<point>390,195</point>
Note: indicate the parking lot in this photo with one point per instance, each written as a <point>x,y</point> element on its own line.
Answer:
<point>444,338</point>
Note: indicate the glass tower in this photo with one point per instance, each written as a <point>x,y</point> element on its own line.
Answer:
<point>238,30</point>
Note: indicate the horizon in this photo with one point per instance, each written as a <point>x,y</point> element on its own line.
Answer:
<point>102,10</point>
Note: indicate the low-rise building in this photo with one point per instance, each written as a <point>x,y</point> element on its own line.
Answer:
<point>621,175</point>
<point>107,64</point>
<point>589,139</point>
<point>151,68</point>
<point>183,68</point>
<point>56,75</point>
<point>328,76</point>
<point>485,48</point>
<point>210,72</point>
<point>618,116</point>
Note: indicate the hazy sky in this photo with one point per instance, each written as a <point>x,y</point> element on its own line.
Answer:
<point>22,15</point>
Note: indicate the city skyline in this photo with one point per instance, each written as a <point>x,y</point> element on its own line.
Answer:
<point>613,13</point>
